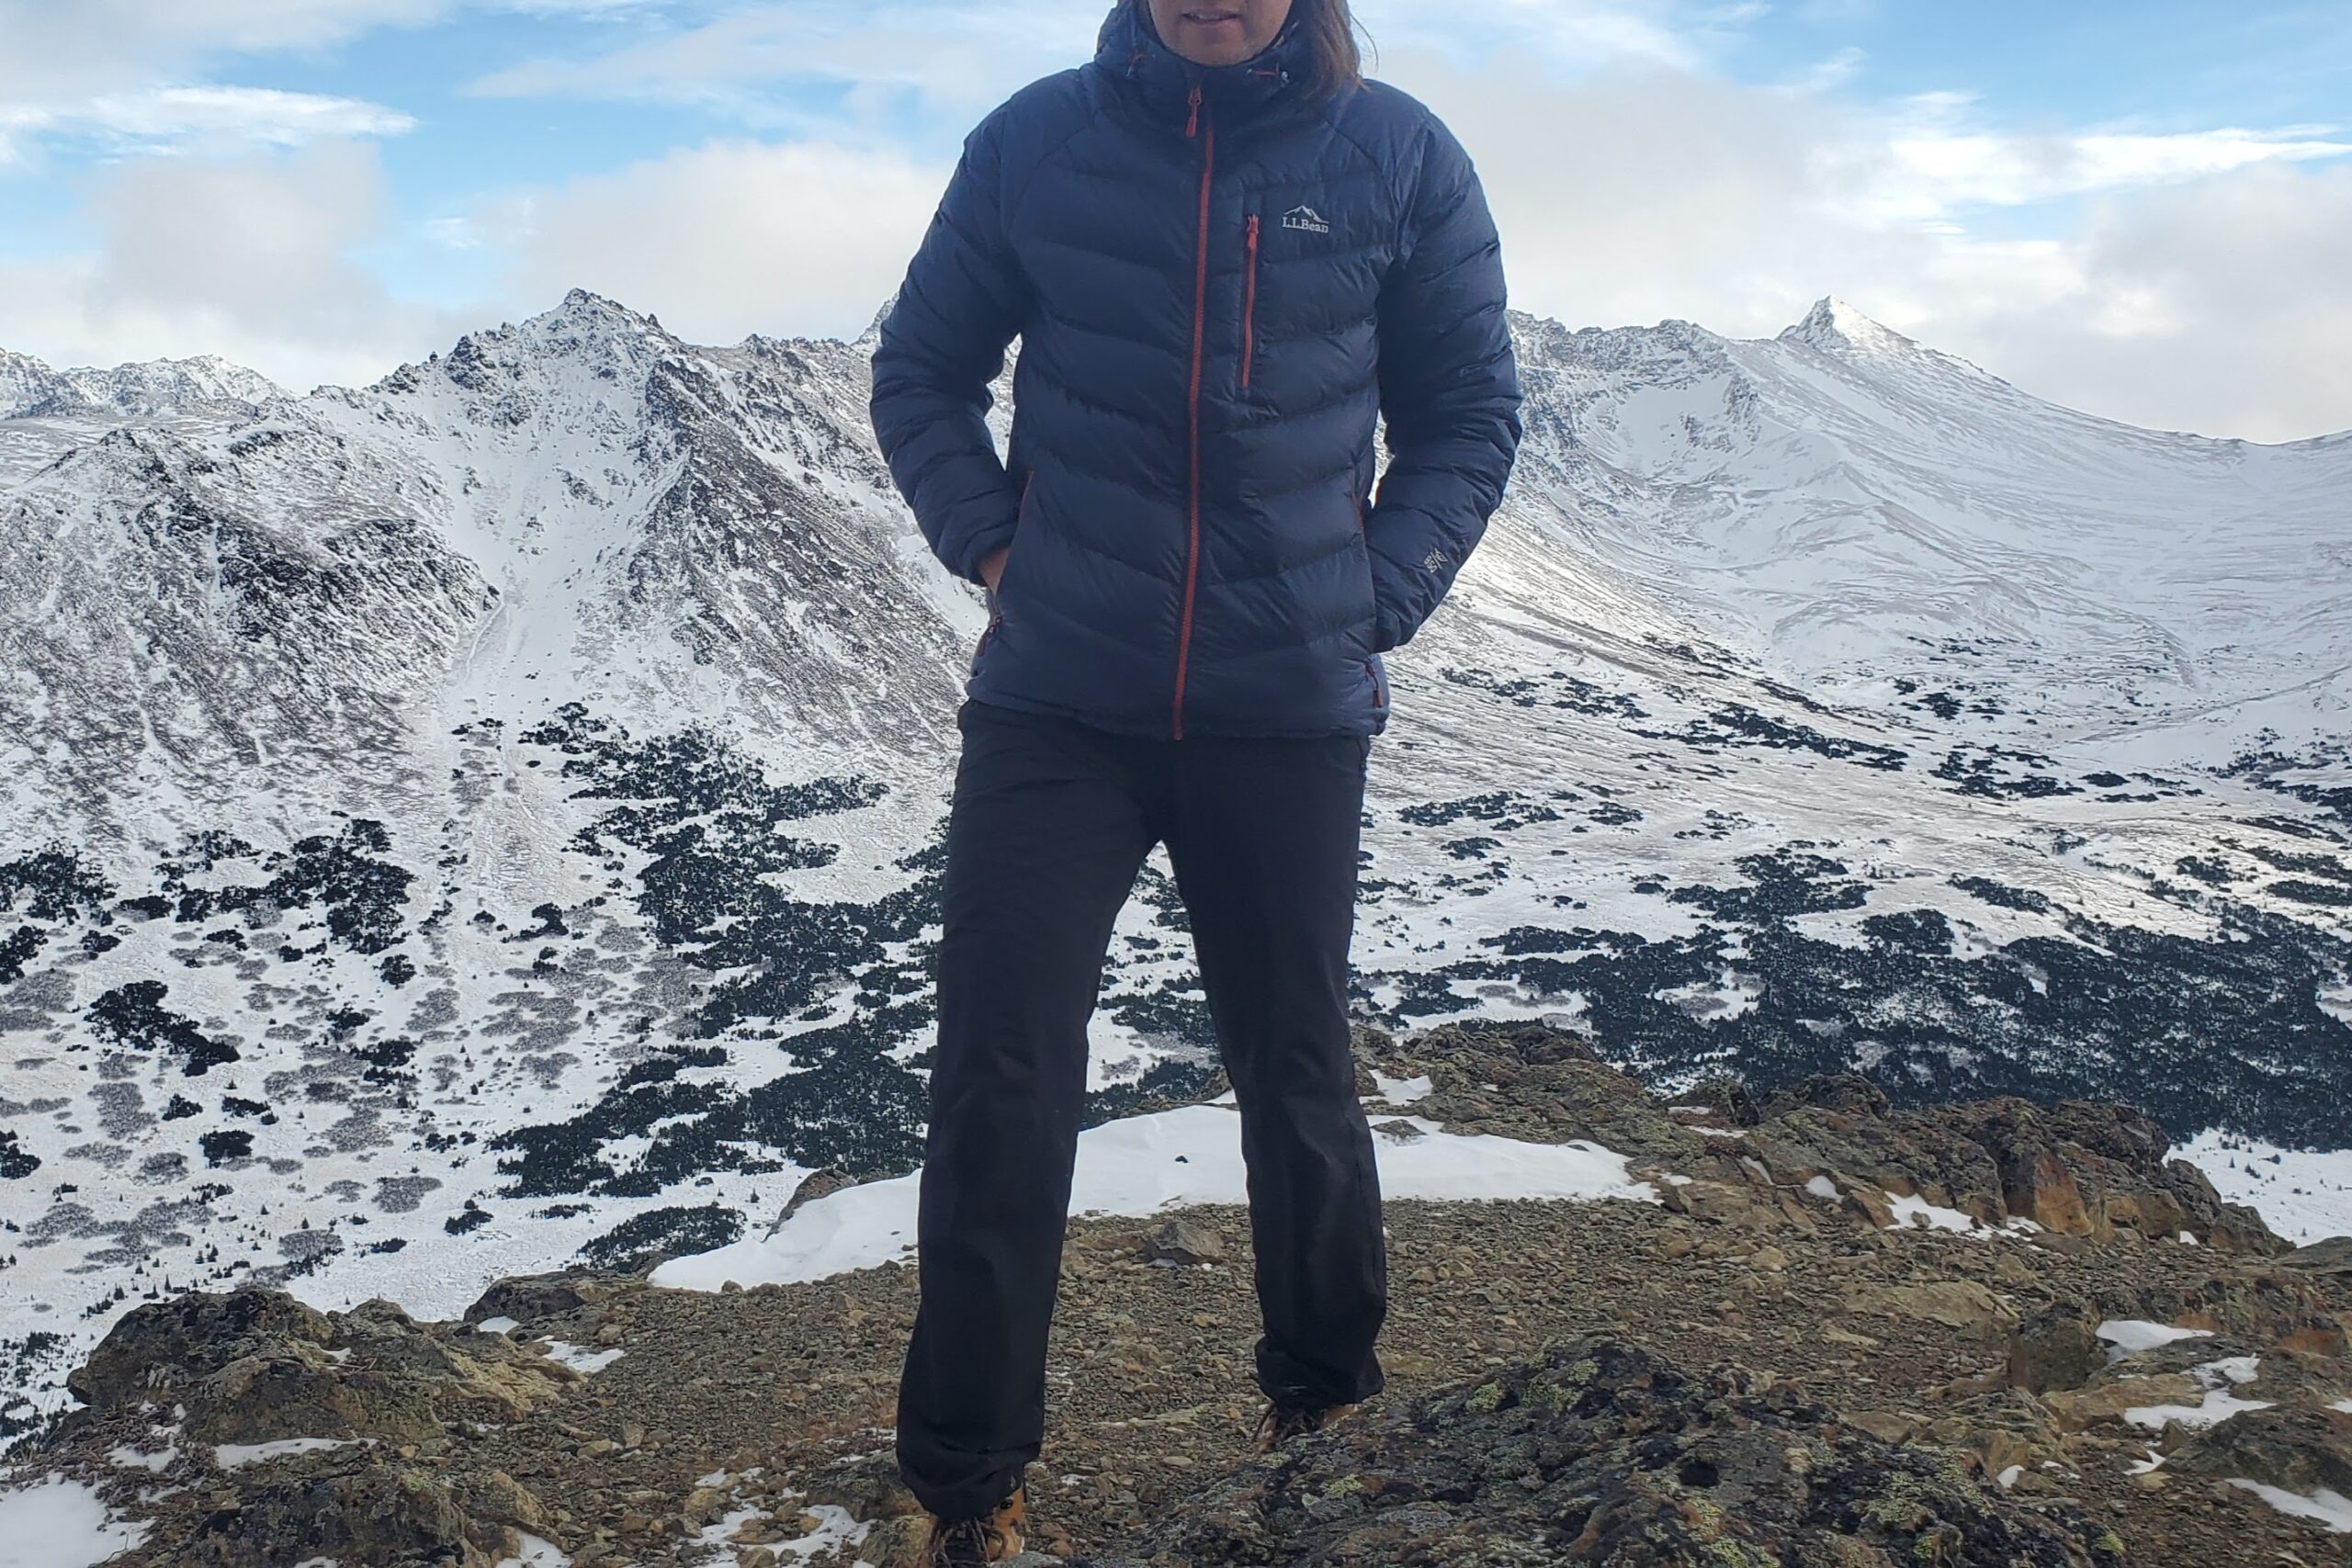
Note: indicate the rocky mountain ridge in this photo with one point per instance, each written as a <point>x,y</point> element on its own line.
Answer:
<point>489,820</point>
<point>155,388</point>
<point>1765,1370</point>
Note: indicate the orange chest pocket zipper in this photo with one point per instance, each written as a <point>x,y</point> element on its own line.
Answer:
<point>1248,296</point>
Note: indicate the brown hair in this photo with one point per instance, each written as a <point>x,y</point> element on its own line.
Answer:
<point>1331,27</point>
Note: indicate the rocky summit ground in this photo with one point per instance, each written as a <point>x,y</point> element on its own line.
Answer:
<point>1845,1337</point>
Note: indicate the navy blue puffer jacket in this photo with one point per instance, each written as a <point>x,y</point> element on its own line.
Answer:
<point>1218,285</point>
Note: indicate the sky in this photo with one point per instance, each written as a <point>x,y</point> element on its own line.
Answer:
<point>2143,209</point>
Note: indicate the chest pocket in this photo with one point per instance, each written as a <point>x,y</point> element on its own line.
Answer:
<point>1312,258</point>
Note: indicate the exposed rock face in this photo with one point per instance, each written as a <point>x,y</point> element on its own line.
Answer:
<point>339,1406</point>
<point>257,1367</point>
<point>1971,1310</point>
<point>2298,1450</point>
<point>2056,1348</point>
<point>1182,1242</point>
<point>370,1511</point>
<point>2332,1255</point>
<point>1527,1080</point>
<point>1832,1143</point>
<point>1599,1451</point>
<point>531,1297</point>
<point>1874,1393</point>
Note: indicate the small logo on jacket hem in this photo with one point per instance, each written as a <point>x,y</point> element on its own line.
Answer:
<point>1307,218</point>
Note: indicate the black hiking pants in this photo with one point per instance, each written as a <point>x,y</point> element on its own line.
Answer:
<point>1049,825</point>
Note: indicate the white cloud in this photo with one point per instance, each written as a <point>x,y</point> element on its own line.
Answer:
<point>122,73</point>
<point>2217,306</point>
<point>18,123</point>
<point>221,119</point>
<point>954,54</point>
<point>1928,175</point>
<point>729,238</point>
<point>246,258</point>
<point>2214,303</point>
<point>1572,34</point>
<point>1825,75</point>
<point>69,48</point>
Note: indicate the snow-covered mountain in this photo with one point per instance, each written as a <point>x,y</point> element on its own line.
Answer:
<point>157,388</point>
<point>449,826</point>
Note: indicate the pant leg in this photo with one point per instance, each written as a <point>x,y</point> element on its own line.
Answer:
<point>1263,837</point>
<point>1044,840</point>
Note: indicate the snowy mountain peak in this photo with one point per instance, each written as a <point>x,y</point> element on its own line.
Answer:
<point>871,338</point>
<point>584,341</point>
<point>584,310</point>
<point>154,389</point>
<point>1837,327</point>
<point>24,380</point>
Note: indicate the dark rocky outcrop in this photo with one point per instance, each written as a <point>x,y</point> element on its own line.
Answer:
<point>2297,1450</point>
<point>258,1367</point>
<point>1599,1451</point>
<point>528,1298</point>
<point>343,1420</point>
<point>370,1510</point>
<point>2072,1168</point>
<point>1760,1368</point>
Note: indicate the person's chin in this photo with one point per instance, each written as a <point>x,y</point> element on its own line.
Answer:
<point>1215,46</point>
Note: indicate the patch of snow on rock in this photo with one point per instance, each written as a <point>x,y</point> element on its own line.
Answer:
<point>1144,1164</point>
<point>56,1523</point>
<point>2323,1506</point>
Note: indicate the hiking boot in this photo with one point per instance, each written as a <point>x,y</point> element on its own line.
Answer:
<point>1283,1421</point>
<point>991,1537</point>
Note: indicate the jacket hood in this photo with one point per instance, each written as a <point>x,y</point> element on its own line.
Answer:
<point>1128,49</point>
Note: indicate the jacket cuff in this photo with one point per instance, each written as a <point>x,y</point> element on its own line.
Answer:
<point>976,548</point>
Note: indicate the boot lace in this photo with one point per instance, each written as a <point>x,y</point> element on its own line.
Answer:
<point>964,1544</point>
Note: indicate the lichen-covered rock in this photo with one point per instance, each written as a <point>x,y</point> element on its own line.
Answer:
<point>2301,1450</point>
<point>159,1348</point>
<point>527,1297</point>
<point>2106,1402</point>
<point>256,1366</point>
<point>2330,1256</point>
<point>1967,1308</point>
<point>1599,1451</point>
<point>1184,1241</point>
<point>391,1514</point>
<point>2073,1168</point>
<point>2055,1347</point>
<point>1529,1080</point>
<point>2004,1430</point>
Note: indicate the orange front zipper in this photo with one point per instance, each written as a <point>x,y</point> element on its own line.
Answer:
<point>1250,299</point>
<point>1193,417</point>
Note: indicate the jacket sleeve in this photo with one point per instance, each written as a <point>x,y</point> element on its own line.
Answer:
<point>1449,391</point>
<point>942,342</point>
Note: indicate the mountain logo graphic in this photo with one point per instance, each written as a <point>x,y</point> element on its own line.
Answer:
<point>1307,218</point>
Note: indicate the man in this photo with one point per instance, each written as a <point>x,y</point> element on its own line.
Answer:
<point>1225,253</point>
